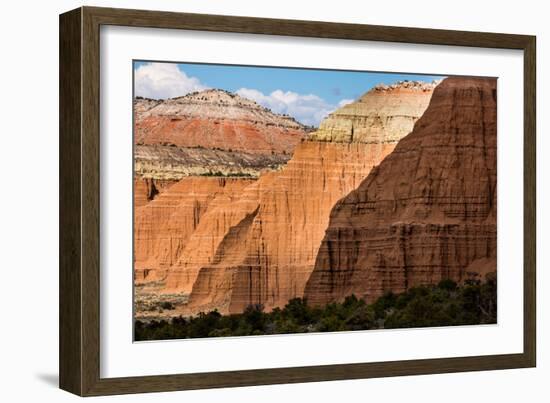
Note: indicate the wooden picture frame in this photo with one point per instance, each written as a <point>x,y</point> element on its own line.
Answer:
<point>80,185</point>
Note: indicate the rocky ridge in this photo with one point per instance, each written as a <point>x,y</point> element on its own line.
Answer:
<point>215,119</point>
<point>383,115</point>
<point>203,146</point>
<point>171,163</point>
<point>212,132</point>
<point>262,248</point>
<point>427,212</point>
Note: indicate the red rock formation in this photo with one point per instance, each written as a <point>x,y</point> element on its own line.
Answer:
<point>146,190</point>
<point>180,140</point>
<point>162,226</point>
<point>200,249</point>
<point>267,256</point>
<point>427,212</point>
<point>215,119</point>
<point>267,247</point>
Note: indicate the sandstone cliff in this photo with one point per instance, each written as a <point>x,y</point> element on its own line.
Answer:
<point>383,115</point>
<point>182,146</point>
<point>268,255</point>
<point>163,225</point>
<point>269,240</point>
<point>224,215</point>
<point>146,189</point>
<point>427,212</point>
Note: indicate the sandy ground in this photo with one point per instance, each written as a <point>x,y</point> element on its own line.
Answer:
<point>150,303</point>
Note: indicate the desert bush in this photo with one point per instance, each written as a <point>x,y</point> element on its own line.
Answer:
<point>445,304</point>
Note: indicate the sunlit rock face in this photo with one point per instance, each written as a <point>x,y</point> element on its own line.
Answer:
<point>274,232</point>
<point>189,152</point>
<point>215,119</point>
<point>163,225</point>
<point>383,115</point>
<point>146,189</point>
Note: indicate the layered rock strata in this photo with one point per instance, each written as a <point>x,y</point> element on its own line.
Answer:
<point>171,163</point>
<point>427,212</point>
<point>267,256</point>
<point>383,115</point>
<point>190,151</point>
<point>163,225</point>
<point>269,241</point>
<point>215,119</point>
<point>201,249</point>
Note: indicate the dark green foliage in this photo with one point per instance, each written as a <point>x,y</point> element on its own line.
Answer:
<point>227,175</point>
<point>446,304</point>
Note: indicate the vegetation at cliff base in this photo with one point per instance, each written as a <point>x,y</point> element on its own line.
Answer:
<point>446,304</point>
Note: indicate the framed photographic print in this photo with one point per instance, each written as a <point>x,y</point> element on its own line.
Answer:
<point>249,201</point>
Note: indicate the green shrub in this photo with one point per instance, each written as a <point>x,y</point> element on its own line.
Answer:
<point>446,304</point>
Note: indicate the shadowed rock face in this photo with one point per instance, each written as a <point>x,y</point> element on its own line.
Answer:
<point>270,238</point>
<point>146,190</point>
<point>427,212</point>
<point>223,216</point>
<point>267,256</point>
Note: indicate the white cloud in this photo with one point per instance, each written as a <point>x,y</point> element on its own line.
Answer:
<point>308,109</point>
<point>344,102</point>
<point>164,80</point>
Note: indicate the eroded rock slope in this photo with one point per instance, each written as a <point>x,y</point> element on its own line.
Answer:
<point>427,212</point>
<point>273,235</point>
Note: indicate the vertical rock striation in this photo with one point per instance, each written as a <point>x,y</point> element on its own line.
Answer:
<point>193,153</point>
<point>162,226</point>
<point>272,236</point>
<point>427,212</point>
<point>146,189</point>
<point>267,255</point>
<point>223,216</point>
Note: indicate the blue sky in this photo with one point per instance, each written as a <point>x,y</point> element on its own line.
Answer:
<point>308,95</point>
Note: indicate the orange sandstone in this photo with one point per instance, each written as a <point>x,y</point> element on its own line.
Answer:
<point>269,249</point>
<point>427,212</point>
